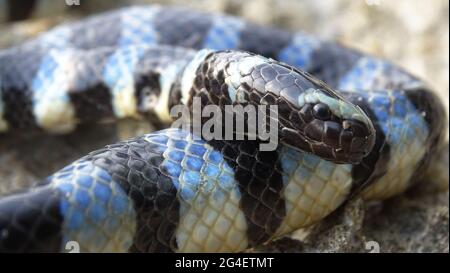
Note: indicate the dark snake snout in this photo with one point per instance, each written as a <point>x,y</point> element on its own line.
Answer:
<point>357,139</point>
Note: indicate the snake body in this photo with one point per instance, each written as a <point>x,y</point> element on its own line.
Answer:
<point>169,191</point>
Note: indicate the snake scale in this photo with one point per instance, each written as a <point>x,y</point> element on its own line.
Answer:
<point>169,191</point>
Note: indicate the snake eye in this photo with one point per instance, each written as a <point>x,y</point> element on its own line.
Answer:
<point>321,111</point>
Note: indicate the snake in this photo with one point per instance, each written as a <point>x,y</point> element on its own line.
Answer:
<point>349,124</point>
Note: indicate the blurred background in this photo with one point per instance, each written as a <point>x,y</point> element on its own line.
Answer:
<point>412,34</point>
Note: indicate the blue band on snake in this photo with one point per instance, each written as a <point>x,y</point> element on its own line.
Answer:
<point>169,191</point>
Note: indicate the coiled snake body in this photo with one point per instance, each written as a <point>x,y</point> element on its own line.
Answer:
<point>169,191</point>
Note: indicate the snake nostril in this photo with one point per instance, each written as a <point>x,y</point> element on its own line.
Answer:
<point>321,111</point>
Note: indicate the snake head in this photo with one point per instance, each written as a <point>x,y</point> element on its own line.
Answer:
<point>316,119</point>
